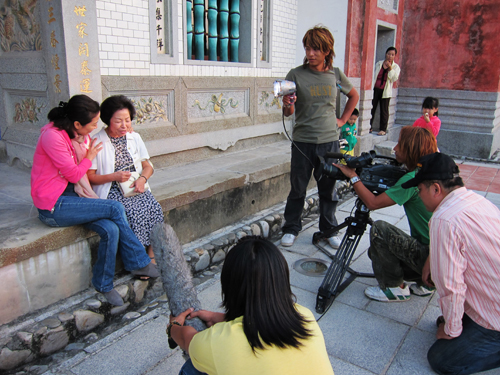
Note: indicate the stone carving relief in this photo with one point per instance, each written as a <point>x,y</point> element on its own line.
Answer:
<point>19,29</point>
<point>27,111</point>
<point>268,100</point>
<point>149,109</point>
<point>390,5</point>
<point>217,104</point>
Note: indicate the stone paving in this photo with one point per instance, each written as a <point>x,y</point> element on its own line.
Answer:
<point>362,336</point>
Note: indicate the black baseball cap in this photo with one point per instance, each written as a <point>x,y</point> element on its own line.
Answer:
<point>435,166</point>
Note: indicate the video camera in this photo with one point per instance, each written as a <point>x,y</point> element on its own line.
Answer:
<point>377,177</point>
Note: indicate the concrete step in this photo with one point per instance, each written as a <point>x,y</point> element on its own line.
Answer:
<point>40,265</point>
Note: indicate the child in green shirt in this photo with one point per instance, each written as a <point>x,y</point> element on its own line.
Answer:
<point>348,132</point>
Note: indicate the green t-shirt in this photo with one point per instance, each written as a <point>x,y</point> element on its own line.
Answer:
<point>315,119</point>
<point>348,132</point>
<point>418,216</point>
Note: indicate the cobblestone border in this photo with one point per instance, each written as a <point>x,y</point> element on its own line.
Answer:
<point>40,343</point>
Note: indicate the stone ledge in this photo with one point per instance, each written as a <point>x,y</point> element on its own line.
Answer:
<point>198,198</point>
<point>27,238</point>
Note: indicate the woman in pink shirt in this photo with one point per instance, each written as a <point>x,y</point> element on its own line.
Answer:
<point>429,119</point>
<point>55,172</point>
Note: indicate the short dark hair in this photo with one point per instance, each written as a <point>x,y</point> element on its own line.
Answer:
<point>392,49</point>
<point>446,184</point>
<point>115,103</point>
<point>355,112</point>
<point>255,284</point>
<point>319,37</point>
<point>430,103</point>
<point>79,108</point>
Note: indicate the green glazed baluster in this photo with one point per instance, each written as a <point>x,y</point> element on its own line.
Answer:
<point>199,30</point>
<point>235,29</point>
<point>189,28</point>
<point>223,29</point>
<point>212,30</point>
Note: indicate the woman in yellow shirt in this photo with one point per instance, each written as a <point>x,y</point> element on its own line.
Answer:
<point>263,330</point>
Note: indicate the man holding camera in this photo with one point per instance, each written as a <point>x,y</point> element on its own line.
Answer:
<point>465,267</point>
<point>397,256</point>
<point>316,130</point>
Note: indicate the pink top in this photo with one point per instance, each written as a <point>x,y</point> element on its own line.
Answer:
<point>54,164</point>
<point>433,126</point>
<point>465,260</point>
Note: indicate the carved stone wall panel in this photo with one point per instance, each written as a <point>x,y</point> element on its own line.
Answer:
<point>153,109</point>
<point>19,26</point>
<point>215,103</point>
<point>267,103</point>
<point>28,109</point>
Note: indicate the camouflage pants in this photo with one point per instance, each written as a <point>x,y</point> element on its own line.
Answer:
<point>395,255</point>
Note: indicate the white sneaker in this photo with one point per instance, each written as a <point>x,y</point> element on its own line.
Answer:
<point>288,239</point>
<point>334,242</point>
<point>396,294</point>
<point>422,290</point>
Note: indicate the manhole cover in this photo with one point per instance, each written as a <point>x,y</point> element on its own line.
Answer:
<point>311,267</point>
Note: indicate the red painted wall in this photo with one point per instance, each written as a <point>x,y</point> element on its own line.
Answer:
<point>451,45</point>
<point>361,37</point>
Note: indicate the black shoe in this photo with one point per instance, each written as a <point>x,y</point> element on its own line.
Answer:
<point>113,297</point>
<point>150,271</point>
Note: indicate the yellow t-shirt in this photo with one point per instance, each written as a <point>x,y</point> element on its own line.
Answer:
<point>223,349</point>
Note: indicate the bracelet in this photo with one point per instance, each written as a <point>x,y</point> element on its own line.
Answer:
<point>144,178</point>
<point>169,328</point>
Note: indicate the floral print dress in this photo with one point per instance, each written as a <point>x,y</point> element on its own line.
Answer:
<point>143,210</point>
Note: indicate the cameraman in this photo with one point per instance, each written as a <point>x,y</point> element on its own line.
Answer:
<point>316,130</point>
<point>395,255</point>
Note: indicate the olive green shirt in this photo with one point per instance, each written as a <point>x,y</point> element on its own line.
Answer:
<point>315,119</point>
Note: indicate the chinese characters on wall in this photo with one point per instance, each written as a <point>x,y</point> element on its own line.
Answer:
<point>160,27</point>
<point>54,61</point>
<point>83,50</point>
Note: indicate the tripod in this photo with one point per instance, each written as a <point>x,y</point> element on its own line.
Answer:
<point>331,285</point>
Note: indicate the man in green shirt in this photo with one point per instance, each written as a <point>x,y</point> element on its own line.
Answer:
<point>397,256</point>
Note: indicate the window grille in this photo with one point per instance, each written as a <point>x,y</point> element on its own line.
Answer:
<point>213,30</point>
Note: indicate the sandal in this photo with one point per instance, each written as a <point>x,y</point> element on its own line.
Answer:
<point>382,132</point>
<point>439,321</point>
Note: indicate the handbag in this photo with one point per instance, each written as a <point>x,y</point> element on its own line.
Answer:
<point>126,188</point>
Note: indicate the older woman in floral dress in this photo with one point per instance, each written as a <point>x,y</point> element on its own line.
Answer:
<point>124,152</point>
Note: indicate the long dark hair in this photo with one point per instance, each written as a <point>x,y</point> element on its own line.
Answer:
<point>79,108</point>
<point>255,284</point>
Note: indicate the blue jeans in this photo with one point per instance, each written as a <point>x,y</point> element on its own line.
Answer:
<point>476,349</point>
<point>300,174</point>
<point>108,219</point>
<point>189,369</point>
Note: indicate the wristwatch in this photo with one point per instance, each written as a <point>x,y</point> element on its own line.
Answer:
<point>169,327</point>
<point>355,179</point>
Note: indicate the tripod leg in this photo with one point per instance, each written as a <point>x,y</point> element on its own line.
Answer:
<point>335,274</point>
